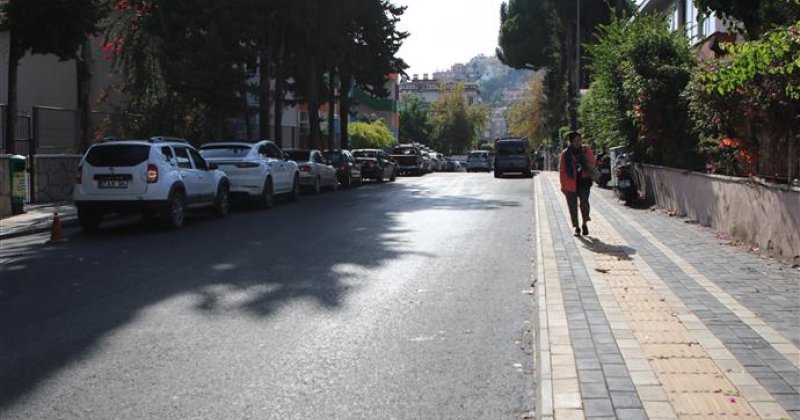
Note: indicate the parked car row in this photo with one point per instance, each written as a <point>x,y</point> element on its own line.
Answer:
<point>163,177</point>
<point>416,159</point>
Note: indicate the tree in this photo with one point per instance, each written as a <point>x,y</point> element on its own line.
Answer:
<point>58,27</point>
<point>370,135</point>
<point>415,124</point>
<point>757,16</point>
<point>456,126</point>
<point>526,115</point>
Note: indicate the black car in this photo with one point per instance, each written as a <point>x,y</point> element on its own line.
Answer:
<point>375,164</point>
<point>348,171</point>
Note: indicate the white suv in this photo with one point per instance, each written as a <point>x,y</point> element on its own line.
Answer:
<point>157,177</point>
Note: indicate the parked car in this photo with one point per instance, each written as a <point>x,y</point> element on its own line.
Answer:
<point>376,164</point>
<point>316,171</point>
<point>479,161</point>
<point>155,177</point>
<point>426,162</point>
<point>348,171</point>
<point>409,159</point>
<point>257,171</point>
<point>512,155</point>
<point>436,162</point>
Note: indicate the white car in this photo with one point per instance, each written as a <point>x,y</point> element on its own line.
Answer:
<point>316,172</point>
<point>480,160</point>
<point>156,177</point>
<point>255,170</point>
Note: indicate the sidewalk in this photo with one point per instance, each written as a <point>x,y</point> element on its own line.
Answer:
<point>651,317</point>
<point>37,218</point>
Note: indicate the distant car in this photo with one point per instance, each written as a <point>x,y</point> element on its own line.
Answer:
<point>159,177</point>
<point>316,171</point>
<point>258,171</point>
<point>348,171</point>
<point>512,155</point>
<point>436,162</point>
<point>409,159</point>
<point>376,164</point>
<point>479,161</point>
<point>426,162</point>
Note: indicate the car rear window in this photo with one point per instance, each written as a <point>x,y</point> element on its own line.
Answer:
<point>404,151</point>
<point>477,156</point>
<point>365,154</point>
<point>225,151</point>
<point>511,148</point>
<point>299,155</point>
<point>118,155</point>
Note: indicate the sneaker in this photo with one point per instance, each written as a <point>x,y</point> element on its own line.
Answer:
<point>577,231</point>
<point>585,230</point>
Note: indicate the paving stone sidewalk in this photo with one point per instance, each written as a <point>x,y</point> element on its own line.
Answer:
<point>37,218</point>
<point>651,317</point>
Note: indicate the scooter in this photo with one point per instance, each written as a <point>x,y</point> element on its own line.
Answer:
<point>626,186</point>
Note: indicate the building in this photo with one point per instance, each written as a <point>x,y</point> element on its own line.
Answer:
<point>457,72</point>
<point>430,89</point>
<point>703,31</point>
<point>370,108</point>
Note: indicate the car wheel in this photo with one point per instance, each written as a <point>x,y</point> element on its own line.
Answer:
<point>176,210</point>
<point>393,177</point>
<point>295,194</point>
<point>379,179</point>
<point>529,174</point>
<point>348,181</point>
<point>267,199</point>
<point>498,174</point>
<point>222,204</point>
<point>89,220</point>
<point>335,185</point>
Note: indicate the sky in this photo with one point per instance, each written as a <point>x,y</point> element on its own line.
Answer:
<point>445,32</point>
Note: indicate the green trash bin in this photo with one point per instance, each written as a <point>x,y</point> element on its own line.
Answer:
<point>19,184</point>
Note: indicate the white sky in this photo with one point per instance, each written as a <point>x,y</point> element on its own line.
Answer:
<point>445,32</point>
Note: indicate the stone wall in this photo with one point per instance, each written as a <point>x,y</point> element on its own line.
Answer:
<point>55,177</point>
<point>767,216</point>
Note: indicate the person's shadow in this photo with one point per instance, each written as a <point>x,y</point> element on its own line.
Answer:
<point>599,247</point>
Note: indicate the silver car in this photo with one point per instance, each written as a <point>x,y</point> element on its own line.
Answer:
<point>316,171</point>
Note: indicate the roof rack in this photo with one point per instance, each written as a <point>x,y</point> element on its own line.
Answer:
<point>161,139</point>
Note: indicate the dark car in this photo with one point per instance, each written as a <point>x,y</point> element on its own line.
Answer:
<point>348,171</point>
<point>409,159</point>
<point>512,155</point>
<point>375,164</point>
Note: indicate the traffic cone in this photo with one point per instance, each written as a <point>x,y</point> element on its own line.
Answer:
<point>55,230</point>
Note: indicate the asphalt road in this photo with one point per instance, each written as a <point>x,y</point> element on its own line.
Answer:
<point>405,300</point>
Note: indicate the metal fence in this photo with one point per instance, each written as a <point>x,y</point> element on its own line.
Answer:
<point>23,131</point>
<point>779,160</point>
<point>56,130</point>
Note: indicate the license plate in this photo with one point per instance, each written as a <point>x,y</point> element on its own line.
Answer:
<point>112,183</point>
<point>605,171</point>
<point>624,183</point>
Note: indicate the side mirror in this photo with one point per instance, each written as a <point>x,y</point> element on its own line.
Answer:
<point>213,166</point>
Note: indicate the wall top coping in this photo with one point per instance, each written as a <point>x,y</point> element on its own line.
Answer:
<point>729,179</point>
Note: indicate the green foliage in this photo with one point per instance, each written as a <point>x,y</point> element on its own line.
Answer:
<point>750,97</point>
<point>456,126</point>
<point>526,115</point>
<point>415,124</point>
<point>370,135</point>
<point>641,69</point>
<point>757,16</point>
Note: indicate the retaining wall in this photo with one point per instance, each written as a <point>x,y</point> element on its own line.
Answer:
<point>767,216</point>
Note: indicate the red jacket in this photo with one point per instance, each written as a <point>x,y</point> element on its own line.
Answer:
<point>570,184</point>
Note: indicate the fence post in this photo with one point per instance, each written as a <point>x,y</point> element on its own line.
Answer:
<point>32,146</point>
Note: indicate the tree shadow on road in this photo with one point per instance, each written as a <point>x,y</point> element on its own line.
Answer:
<point>58,302</point>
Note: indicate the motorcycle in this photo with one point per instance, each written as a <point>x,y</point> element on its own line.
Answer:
<point>626,186</point>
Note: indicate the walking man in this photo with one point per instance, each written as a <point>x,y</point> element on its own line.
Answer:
<point>576,179</point>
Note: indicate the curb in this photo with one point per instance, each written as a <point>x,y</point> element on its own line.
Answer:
<point>66,221</point>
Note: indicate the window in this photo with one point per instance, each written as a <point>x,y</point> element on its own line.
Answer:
<point>182,158</point>
<point>225,151</point>
<point>273,152</point>
<point>168,155</point>
<point>199,162</point>
<point>117,155</point>
<point>318,158</point>
<point>262,150</point>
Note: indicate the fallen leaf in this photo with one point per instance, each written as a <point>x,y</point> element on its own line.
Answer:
<point>601,270</point>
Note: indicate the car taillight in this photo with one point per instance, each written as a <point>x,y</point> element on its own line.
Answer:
<point>79,174</point>
<point>152,174</point>
<point>305,168</point>
<point>247,164</point>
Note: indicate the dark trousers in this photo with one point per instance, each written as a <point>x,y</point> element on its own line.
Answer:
<point>572,203</point>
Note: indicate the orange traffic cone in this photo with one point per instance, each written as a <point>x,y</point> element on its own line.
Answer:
<point>55,230</point>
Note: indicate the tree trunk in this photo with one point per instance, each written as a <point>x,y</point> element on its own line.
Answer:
<point>279,96</point>
<point>248,125</point>
<point>263,93</point>
<point>83,65</point>
<point>572,101</point>
<point>11,108</point>
<point>313,103</point>
<point>331,109</point>
<point>344,108</point>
